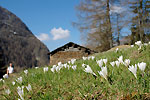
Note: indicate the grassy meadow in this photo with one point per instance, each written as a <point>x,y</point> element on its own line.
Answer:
<point>76,84</point>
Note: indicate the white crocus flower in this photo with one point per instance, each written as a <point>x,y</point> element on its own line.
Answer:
<point>117,63</point>
<point>69,62</point>
<point>19,80</point>
<point>103,72</point>
<point>89,70</point>
<point>100,62</point>
<point>92,57</point>
<point>89,57</point>
<point>5,76</point>
<point>117,49</point>
<point>26,72</point>
<point>58,68</point>
<point>13,83</point>
<point>132,46</point>
<point>59,63</point>
<point>29,88</point>
<point>140,48</point>
<point>53,68</point>
<point>36,67</point>
<point>142,66</point>
<point>83,65</point>
<point>74,67</point>
<point>65,65</point>
<point>133,69</point>
<point>73,61</point>
<point>105,61</point>
<point>127,62</point>
<point>7,91</point>
<point>145,44</point>
<point>20,92</point>
<point>112,63</point>
<point>69,66</point>
<point>1,80</point>
<point>139,43</point>
<point>84,58</point>
<point>120,59</point>
<point>45,69</point>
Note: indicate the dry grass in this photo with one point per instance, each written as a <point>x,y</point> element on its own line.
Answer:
<point>135,54</point>
<point>120,47</point>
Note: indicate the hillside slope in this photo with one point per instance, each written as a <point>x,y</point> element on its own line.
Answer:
<point>18,44</point>
<point>80,80</point>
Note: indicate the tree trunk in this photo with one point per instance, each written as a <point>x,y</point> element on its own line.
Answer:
<point>118,31</point>
<point>140,21</point>
<point>109,32</point>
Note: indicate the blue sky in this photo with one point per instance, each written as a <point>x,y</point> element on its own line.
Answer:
<point>49,20</point>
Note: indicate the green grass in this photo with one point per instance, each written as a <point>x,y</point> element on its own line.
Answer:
<point>78,85</point>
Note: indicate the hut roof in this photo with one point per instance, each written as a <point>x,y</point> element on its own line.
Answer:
<point>71,44</point>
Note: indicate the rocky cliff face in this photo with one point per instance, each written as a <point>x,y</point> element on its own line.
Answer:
<point>18,44</point>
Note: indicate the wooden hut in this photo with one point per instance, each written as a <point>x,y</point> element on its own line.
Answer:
<point>68,52</point>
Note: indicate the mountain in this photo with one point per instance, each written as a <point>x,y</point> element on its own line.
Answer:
<point>18,44</point>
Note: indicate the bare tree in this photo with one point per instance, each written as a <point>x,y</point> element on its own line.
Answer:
<point>95,23</point>
<point>140,22</point>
